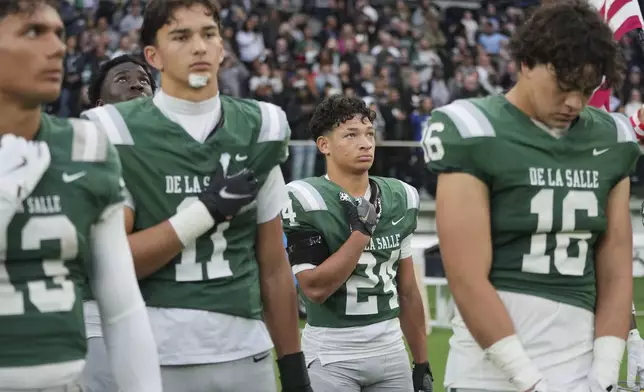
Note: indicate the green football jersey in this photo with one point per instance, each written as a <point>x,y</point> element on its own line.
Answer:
<point>547,195</point>
<point>370,294</point>
<point>48,246</point>
<point>165,170</point>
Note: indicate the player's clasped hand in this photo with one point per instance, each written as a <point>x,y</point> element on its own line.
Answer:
<point>227,194</point>
<point>22,164</point>
<point>363,215</point>
<point>422,377</point>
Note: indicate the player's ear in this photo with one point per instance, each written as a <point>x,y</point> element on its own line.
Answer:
<point>100,103</point>
<point>152,57</point>
<point>322,143</point>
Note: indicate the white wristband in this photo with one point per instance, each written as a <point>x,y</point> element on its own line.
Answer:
<point>508,355</point>
<point>607,358</point>
<point>191,222</point>
<point>633,335</point>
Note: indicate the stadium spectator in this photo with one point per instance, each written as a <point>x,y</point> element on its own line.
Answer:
<point>393,53</point>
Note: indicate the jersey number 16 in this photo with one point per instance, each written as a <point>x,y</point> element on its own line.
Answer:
<point>542,205</point>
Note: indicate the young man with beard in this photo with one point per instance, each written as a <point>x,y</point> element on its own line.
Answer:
<point>205,191</point>
<point>61,225</point>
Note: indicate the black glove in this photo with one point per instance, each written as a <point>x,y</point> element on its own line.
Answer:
<point>422,377</point>
<point>227,194</point>
<point>293,373</point>
<point>362,214</point>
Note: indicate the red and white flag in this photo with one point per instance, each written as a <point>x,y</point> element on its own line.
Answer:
<point>622,16</point>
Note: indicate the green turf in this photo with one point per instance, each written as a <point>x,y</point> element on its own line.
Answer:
<point>438,341</point>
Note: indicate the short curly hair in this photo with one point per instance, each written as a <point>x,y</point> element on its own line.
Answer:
<point>571,36</point>
<point>335,110</point>
<point>96,83</point>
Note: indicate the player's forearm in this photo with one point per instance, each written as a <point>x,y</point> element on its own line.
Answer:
<point>612,320</point>
<point>132,353</point>
<point>277,288</point>
<point>614,294</point>
<point>614,266</point>
<point>126,327</point>
<point>153,248</point>
<point>279,299</point>
<point>322,281</point>
<point>482,310</point>
<point>412,322</point>
<point>614,280</point>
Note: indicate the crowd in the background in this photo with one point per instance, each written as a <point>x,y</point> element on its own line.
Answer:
<point>403,57</point>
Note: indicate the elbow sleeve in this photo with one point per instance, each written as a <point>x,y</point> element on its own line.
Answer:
<point>307,247</point>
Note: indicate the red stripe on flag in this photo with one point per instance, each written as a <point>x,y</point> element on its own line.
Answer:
<point>631,23</point>
<point>616,6</point>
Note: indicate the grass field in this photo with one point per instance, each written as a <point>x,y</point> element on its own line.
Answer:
<point>438,341</point>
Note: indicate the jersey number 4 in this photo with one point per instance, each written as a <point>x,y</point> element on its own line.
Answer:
<point>43,294</point>
<point>542,205</point>
<point>188,270</point>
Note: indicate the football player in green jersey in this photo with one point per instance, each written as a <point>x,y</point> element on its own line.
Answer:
<point>61,224</point>
<point>349,244</point>
<point>120,79</point>
<point>205,192</point>
<point>533,220</point>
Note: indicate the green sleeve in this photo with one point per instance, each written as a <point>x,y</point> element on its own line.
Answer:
<point>112,191</point>
<point>304,202</point>
<point>633,154</point>
<point>101,161</point>
<point>271,147</point>
<point>450,149</point>
<point>111,120</point>
<point>412,203</point>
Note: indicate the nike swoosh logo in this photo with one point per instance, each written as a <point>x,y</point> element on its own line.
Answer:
<point>599,152</point>
<point>223,193</point>
<point>260,357</point>
<point>67,178</point>
<point>22,164</point>
<point>397,221</point>
<point>241,158</point>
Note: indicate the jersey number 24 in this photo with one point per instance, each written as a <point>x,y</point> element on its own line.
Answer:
<point>356,304</point>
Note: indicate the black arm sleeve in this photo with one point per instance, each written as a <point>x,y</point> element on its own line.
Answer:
<point>306,247</point>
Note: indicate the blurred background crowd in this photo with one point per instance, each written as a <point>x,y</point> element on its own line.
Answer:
<point>403,57</point>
